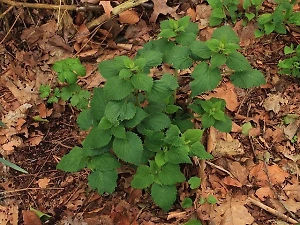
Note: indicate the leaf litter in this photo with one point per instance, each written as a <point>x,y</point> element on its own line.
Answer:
<point>239,170</point>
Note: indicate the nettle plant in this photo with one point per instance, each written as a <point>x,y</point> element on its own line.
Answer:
<point>277,21</point>
<point>68,71</point>
<point>291,65</point>
<point>135,118</point>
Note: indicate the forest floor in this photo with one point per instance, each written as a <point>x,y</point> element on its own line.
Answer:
<point>254,177</point>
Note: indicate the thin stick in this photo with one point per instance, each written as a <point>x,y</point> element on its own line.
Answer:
<point>39,5</point>
<point>116,11</point>
<point>271,210</point>
<point>220,168</point>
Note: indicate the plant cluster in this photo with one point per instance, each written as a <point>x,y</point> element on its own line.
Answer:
<point>277,21</point>
<point>68,71</point>
<point>135,118</point>
<point>291,65</point>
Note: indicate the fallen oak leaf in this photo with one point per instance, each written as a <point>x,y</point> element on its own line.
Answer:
<point>161,7</point>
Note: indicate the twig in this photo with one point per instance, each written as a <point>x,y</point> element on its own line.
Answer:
<point>28,189</point>
<point>6,11</point>
<point>220,168</point>
<point>10,29</point>
<point>39,5</point>
<point>116,11</point>
<point>271,210</point>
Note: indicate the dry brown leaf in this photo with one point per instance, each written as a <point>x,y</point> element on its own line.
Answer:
<point>9,215</point>
<point>264,192</point>
<point>228,148</point>
<point>161,7</point>
<point>107,7</point>
<point>35,140</point>
<point>273,102</point>
<point>192,13</point>
<point>226,91</point>
<point>43,183</point>
<point>239,171</point>
<point>232,212</point>
<point>129,17</point>
<point>292,191</point>
<point>231,182</point>
<point>30,218</point>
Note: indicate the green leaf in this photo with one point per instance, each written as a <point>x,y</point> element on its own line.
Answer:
<point>103,181</point>
<point>217,60</point>
<point>2,124</point>
<point>178,155</point>
<point>116,88</point>
<point>129,149</point>
<point>142,82</point>
<point>193,222</point>
<point>85,120</point>
<point>207,120</point>
<point>246,4</point>
<point>211,199</point>
<point>153,59</point>
<point>172,136</point>
<point>112,68</point>
<point>295,18</point>
<point>247,78</point>
<point>97,103</point>
<point>104,162</point>
<point>118,131</point>
<point>192,135</point>
<point>170,174</point>
<point>167,33</point>
<point>205,79</point>
<point>198,149</point>
<point>179,57</point>
<point>74,161</point>
<point>143,177</point>
<point>187,203</point>
<point>185,38</point>
<point>200,49</point>
<point>218,13</point>
<point>269,27</point>
<point>97,138</point>
<point>157,122</point>
<point>236,61</point>
<point>45,91</point>
<point>194,182</point>
<point>137,119</point>
<point>226,35</point>
<point>12,165</point>
<point>164,195</point>
<point>224,126</point>
<point>119,111</point>
<point>215,21</point>
<point>265,18</point>
<point>163,88</point>
<point>105,124</point>
<point>246,127</point>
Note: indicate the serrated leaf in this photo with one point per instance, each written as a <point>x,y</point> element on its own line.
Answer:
<point>207,120</point>
<point>237,62</point>
<point>129,149</point>
<point>170,174</point>
<point>74,161</point>
<point>192,135</point>
<point>138,118</point>
<point>167,33</point>
<point>162,88</point>
<point>265,18</point>
<point>97,138</point>
<point>45,91</point>
<point>172,136</point>
<point>217,60</point>
<point>179,57</point>
<point>118,131</point>
<point>143,177</point>
<point>215,21</point>
<point>247,78</point>
<point>85,120</point>
<point>153,59</point>
<point>157,122</point>
<point>205,79</point>
<point>194,182</point>
<point>105,123</point>
<point>226,35</point>
<point>104,162</point>
<point>98,101</point>
<point>224,126</point>
<point>198,149</point>
<point>200,49</point>
<point>164,195</point>
<point>178,155</point>
<point>185,38</point>
<point>142,81</point>
<point>116,88</point>
<point>119,111</point>
<point>103,181</point>
<point>112,68</point>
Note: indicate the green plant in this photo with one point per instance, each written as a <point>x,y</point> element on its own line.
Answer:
<point>277,21</point>
<point>291,65</point>
<point>249,5</point>
<point>222,8</point>
<point>136,118</point>
<point>68,71</point>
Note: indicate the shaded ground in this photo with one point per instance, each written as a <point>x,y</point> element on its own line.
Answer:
<point>259,168</point>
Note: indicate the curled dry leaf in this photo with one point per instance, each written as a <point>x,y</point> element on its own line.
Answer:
<point>129,17</point>
<point>161,7</point>
<point>30,218</point>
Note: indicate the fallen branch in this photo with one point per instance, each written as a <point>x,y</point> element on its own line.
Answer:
<point>271,210</point>
<point>116,11</point>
